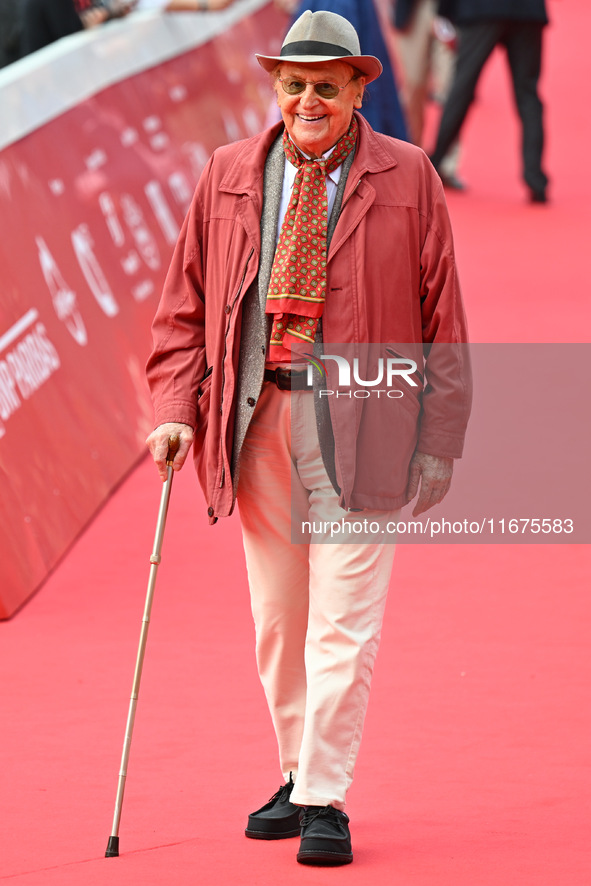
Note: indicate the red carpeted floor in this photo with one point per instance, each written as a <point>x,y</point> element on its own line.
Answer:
<point>475,766</point>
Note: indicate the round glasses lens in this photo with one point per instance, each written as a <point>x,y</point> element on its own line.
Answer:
<point>293,87</point>
<point>326,90</point>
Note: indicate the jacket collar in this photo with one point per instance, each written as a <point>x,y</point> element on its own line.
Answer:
<point>245,173</point>
<point>371,155</point>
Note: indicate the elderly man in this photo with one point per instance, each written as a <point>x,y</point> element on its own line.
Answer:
<point>315,236</point>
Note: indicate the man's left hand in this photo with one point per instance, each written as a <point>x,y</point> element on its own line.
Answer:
<point>434,474</point>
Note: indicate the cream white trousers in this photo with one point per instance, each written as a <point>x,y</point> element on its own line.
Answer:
<point>318,606</point>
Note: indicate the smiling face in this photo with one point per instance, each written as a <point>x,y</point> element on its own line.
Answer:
<point>315,124</point>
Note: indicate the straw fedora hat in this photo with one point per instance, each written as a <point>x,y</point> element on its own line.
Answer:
<point>323,37</point>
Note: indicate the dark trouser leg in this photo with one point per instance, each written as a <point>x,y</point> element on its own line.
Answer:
<point>476,42</point>
<point>524,50</point>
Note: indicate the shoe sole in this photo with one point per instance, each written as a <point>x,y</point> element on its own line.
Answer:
<point>268,835</point>
<point>324,859</point>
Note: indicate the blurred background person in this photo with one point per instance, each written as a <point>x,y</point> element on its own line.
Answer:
<point>44,21</point>
<point>517,25</point>
<point>9,32</point>
<point>426,49</point>
<point>184,5</point>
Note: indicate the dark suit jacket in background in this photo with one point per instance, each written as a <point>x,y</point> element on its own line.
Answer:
<point>465,12</point>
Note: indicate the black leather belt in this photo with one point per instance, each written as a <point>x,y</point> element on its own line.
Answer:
<point>289,379</point>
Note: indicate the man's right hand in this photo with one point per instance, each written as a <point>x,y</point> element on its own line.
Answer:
<point>158,445</point>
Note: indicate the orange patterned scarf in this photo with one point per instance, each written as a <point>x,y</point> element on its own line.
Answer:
<point>297,288</point>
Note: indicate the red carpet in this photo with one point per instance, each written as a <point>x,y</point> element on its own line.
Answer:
<point>474,769</point>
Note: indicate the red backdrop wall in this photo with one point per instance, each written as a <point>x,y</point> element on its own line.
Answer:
<point>90,206</point>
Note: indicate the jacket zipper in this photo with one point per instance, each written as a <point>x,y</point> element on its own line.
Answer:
<point>233,302</point>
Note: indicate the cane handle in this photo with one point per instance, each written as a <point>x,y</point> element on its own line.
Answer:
<point>174,441</point>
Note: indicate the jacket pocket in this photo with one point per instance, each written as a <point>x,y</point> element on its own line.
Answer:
<point>203,402</point>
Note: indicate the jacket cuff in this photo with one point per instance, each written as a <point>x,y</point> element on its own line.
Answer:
<point>442,445</point>
<point>182,412</point>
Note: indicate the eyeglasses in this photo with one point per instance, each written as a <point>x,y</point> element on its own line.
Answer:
<point>322,88</point>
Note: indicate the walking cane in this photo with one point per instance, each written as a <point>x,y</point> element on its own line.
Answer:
<point>173,446</point>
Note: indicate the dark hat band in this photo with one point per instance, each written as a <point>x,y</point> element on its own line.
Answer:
<point>313,47</point>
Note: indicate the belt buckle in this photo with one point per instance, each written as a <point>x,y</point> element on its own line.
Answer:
<point>283,379</point>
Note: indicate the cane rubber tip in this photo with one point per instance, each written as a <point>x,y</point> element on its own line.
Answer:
<point>112,848</point>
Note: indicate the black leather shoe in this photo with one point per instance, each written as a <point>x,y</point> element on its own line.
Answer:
<point>325,837</point>
<point>538,195</point>
<point>453,182</point>
<point>277,819</point>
